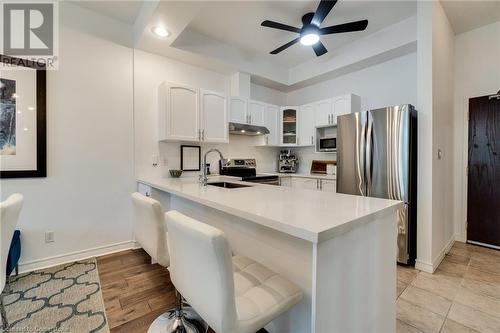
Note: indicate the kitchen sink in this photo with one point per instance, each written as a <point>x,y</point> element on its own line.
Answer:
<point>228,185</point>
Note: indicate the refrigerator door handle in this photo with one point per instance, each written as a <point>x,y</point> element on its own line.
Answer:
<point>361,163</point>
<point>368,154</point>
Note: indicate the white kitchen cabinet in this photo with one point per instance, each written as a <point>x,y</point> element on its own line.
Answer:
<point>328,185</point>
<point>256,111</point>
<point>305,183</point>
<point>271,115</point>
<point>306,125</point>
<point>214,118</point>
<point>289,119</point>
<point>323,111</point>
<point>179,112</point>
<point>238,110</point>
<point>327,111</point>
<point>286,181</point>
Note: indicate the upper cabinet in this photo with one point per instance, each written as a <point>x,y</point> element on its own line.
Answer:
<point>289,117</point>
<point>306,125</point>
<point>327,111</point>
<point>271,116</point>
<point>188,114</point>
<point>323,111</point>
<point>179,112</point>
<point>256,111</point>
<point>238,110</point>
<point>214,117</point>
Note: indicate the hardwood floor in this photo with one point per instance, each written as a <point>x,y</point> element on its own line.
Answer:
<point>135,292</point>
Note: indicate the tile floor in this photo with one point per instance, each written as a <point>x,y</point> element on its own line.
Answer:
<point>463,295</point>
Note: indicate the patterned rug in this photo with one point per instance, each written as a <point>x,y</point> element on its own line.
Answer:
<point>65,298</point>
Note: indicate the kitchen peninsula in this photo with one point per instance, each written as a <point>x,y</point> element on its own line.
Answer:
<point>338,248</point>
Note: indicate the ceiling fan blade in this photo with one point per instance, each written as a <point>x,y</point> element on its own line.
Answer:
<point>346,27</point>
<point>283,47</point>
<point>324,7</point>
<point>276,25</point>
<point>319,49</point>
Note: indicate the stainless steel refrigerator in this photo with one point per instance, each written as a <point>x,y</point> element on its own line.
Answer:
<point>377,157</point>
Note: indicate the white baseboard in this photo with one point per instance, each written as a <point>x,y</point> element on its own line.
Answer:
<point>431,267</point>
<point>32,265</point>
<point>460,238</point>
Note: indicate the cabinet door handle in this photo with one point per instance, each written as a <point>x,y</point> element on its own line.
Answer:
<point>329,116</point>
<point>203,135</point>
<point>199,135</point>
<point>312,140</point>
<point>267,140</point>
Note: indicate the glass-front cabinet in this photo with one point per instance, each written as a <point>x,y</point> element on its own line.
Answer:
<point>289,125</point>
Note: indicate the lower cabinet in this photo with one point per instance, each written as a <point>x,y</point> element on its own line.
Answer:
<point>286,181</point>
<point>305,183</point>
<point>328,185</point>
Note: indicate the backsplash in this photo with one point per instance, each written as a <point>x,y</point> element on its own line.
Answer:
<point>239,147</point>
<point>307,155</point>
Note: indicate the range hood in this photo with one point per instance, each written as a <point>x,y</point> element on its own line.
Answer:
<point>245,129</point>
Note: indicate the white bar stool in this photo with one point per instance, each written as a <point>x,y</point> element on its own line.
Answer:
<point>232,294</point>
<point>9,215</point>
<point>150,230</point>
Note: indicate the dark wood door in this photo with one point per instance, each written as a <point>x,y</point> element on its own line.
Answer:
<point>483,190</point>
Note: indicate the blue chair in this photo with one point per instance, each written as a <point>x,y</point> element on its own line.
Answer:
<point>14,254</point>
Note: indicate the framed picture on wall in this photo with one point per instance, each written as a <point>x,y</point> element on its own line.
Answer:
<point>190,158</point>
<point>23,138</point>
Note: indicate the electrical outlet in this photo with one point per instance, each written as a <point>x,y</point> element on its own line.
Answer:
<point>49,237</point>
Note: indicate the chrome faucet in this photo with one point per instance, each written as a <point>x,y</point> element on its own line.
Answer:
<point>203,176</point>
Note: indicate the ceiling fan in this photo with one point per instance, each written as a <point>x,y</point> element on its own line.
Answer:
<point>311,30</point>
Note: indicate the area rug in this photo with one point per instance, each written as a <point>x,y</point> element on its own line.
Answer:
<point>65,298</point>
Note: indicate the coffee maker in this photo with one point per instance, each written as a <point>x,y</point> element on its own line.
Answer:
<point>288,162</point>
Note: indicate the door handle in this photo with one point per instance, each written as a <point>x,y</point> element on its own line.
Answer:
<point>329,119</point>
<point>203,135</point>
<point>312,140</point>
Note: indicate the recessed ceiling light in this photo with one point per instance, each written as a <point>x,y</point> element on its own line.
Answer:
<point>258,132</point>
<point>309,39</point>
<point>160,31</point>
<point>242,131</point>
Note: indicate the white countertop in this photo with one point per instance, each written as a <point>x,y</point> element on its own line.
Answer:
<point>307,214</point>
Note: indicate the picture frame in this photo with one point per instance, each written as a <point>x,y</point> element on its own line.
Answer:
<point>23,146</point>
<point>190,158</point>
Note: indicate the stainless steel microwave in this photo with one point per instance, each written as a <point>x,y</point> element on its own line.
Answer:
<point>327,144</point>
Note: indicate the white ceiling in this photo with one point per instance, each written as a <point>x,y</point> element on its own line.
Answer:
<point>468,15</point>
<point>237,23</point>
<point>125,11</point>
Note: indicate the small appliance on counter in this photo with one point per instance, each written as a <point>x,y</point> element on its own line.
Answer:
<point>288,162</point>
<point>246,168</point>
<point>323,167</point>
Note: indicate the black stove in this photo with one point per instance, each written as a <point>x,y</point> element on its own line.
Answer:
<point>246,169</point>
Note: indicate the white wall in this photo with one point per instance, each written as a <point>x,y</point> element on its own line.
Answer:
<point>85,199</point>
<point>268,95</point>
<point>442,122</point>
<point>389,83</point>
<point>150,70</point>
<point>477,73</point>
<point>435,104</point>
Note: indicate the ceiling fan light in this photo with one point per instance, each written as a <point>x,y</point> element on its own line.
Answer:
<point>309,39</point>
<point>160,31</point>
